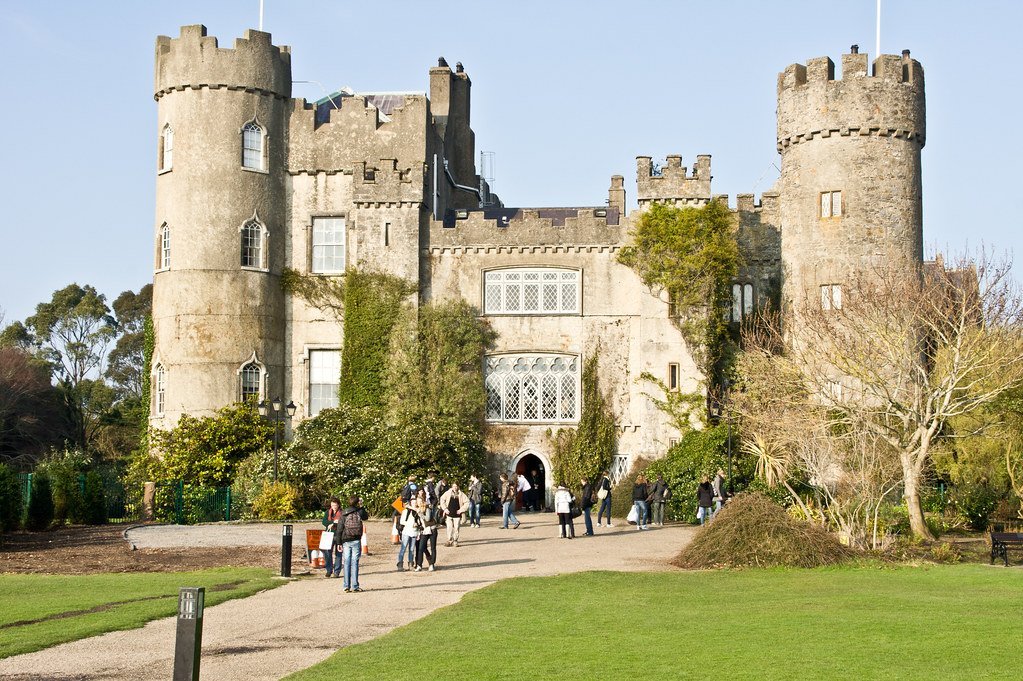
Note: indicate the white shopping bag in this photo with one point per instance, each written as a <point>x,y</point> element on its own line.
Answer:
<point>633,516</point>
<point>326,540</point>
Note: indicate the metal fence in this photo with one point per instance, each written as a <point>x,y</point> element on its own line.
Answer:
<point>184,504</point>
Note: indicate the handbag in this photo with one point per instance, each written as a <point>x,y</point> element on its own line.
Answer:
<point>602,493</point>
<point>576,511</point>
<point>633,516</point>
<point>326,541</point>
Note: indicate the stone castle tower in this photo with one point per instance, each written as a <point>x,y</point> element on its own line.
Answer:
<point>251,181</point>
<point>850,176</point>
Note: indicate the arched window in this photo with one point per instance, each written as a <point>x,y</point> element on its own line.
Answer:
<point>531,291</point>
<point>250,382</point>
<point>167,148</point>
<point>164,257</point>
<point>252,146</point>
<point>159,376</point>
<point>742,301</point>
<point>253,245</point>
<point>542,388</point>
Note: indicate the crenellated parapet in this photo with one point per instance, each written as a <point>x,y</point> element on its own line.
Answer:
<point>532,227</point>
<point>673,183</point>
<point>353,132</point>
<point>195,61</point>
<point>885,99</point>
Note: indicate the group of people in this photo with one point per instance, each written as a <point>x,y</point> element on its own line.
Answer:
<point>424,508</point>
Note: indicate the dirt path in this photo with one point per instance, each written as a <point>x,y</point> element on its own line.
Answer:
<point>274,633</point>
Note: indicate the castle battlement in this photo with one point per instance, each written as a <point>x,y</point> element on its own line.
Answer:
<point>194,60</point>
<point>673,182</point>
<point>529,226</point>
<point>885,100</point>
<point>385,184</point>
<point>747,203</point>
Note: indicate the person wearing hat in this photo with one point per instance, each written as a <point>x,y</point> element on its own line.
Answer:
<point>563,507</point>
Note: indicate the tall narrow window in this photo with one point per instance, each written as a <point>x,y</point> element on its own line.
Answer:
<point>831,204</point>
<point>252,245</point>
<point>324,379</point>
<point>252,146</point>
<point>831,297</point>
<point>164,247</point>
<point>249,388</point>
<point>161,399</point>
<point>742,302</point>
<point>328,245</point>
<point>673,376</point>
<point>167,148</point>
<point>387,234</point>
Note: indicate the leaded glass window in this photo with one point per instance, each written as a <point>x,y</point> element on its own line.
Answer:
<point>250,376</point>
<point>324,379</point>
<point>252,245</point>
<point>252,146</point>
<point>536,388</point>
<point>328,245</point>
<point>532,291</point>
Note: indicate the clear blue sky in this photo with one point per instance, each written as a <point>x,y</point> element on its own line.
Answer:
<point>566,93</point>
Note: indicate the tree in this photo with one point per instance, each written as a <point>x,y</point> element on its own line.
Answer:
<point>908,349</point>
<point>31,416</point>
<point>691,253</point>
<point>125,362</point>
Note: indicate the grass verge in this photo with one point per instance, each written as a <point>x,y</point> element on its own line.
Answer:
<point>39,611</point>
<point>829,623</point>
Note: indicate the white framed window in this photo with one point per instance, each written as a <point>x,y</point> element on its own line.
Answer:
<point>532,291</point>
<point>324,380</point>
<point>672,441</point>
<point>673,376</point>
<point>160,388</point>
<point>831,204</point>
<point>250,382</point>
<point>253,245</point>
<point>166,148</point>
<point>328,245</point>
<point>619,467</point>
<point>253,147</point>
<point>532,388</point>
<point>833,391</point>
<point>743,302</point>
<point>831,297</point>
<point>165,245</point>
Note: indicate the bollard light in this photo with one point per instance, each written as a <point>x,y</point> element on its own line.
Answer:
<point>188,639</point>
<point>286,537</point>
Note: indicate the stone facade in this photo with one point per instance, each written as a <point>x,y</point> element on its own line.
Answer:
<point>394,175</point>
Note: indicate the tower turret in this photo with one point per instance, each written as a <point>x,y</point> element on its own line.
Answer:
<point>850,177</point>
<point>220,221</point>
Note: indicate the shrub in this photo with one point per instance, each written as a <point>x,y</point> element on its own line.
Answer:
<point>10,499</point>
<point>40,503</point>
<point>586,451</point>
<point>975,503</point>
<point>621,494</point>
<point>753,531</point>
<point>946,552</point>
<point>94,499</point>
<point>276,501</point>
<point>65,470</point>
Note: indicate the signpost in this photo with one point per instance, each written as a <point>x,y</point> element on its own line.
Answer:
<point>188,643</point>
<point>286,536</point>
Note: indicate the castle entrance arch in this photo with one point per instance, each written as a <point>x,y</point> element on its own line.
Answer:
<point>535,466</point>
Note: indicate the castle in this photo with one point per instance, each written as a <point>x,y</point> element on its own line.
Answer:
<point>251,181</point>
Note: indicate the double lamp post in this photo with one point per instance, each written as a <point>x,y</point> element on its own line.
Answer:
<point>276,414</point>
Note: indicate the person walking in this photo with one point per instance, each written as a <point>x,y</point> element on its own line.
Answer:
<point>349,536</point>
<point>563,507</point>
<point>704,500</point>
<point>508,493</point>
<point>587,504</point>
<point>332,557</point>
<point>658,496</point>
<point>640,496</point>
<point>434,514</point>
<point>455,503</point>
<point>411,524</point>
<point>426,544</point>
<point>475,500</point>
<point>408,492</point>
<point>719,491</point>
<point>604,495</point>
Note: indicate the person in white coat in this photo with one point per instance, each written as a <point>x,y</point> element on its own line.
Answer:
<point>563,507</point>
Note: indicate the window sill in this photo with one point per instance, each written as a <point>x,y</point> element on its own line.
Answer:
<point>497,422</point>
<point>258,171</point>
<point>532,314</point>
<point>164,171</point>
<point>264,270</point>
<point>337,273</point>
<point>161,269</point>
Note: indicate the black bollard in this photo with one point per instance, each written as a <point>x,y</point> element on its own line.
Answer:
<point>188,641</point>
<point>286,551</point>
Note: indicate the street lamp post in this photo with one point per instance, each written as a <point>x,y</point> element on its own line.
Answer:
<point>277,416</point>
<point>728,420</point>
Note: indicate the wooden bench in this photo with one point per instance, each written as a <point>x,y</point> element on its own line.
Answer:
<point>1001,542</point>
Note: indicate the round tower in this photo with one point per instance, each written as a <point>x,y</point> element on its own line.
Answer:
<point>850,175</point>
<point>220,221</point>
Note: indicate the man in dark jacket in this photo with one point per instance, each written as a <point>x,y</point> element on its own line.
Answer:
<point>658,495</point>
<point>349,535</point>
<point>704,499</point>
<point>586,502</point>
<point>604,487</point>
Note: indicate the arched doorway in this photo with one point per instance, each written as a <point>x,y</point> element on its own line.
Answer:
<point>537,470</point>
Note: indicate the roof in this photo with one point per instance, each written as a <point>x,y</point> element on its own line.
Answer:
<point>384,102</point>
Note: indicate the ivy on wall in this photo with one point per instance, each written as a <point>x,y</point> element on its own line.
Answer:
<point>587,450</point>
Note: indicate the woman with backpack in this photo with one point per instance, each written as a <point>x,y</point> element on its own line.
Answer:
<point>349,535</point>
<point>411,524</point>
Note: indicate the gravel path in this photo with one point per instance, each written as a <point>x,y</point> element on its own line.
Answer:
<point>278,632</point>
<point>223,534</point>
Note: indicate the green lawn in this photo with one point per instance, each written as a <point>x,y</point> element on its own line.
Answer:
<point>940,622</point>
<point>38,611</point>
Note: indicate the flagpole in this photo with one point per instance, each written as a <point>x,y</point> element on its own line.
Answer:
<point>877,45</point>
<point>261,13</point>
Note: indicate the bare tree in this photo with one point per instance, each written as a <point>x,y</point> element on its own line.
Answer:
<point>906,350</point>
